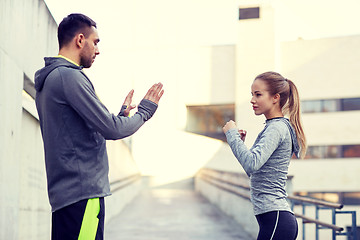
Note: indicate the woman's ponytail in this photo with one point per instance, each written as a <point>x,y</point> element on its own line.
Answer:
<point>293,109</point>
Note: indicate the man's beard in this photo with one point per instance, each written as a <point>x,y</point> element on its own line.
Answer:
<point>86,62</point>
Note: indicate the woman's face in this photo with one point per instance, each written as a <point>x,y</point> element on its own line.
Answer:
<point>262,102</point>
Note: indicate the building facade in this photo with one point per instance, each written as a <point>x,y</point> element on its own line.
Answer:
<point>325,71</point>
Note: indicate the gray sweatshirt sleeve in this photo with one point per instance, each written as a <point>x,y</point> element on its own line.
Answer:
<point>81,96</point>
<point>123,108</point>
<point>253,159</point>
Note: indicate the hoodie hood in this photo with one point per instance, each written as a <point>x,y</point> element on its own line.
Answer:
<point>51,63</point>
<point>295,144</point>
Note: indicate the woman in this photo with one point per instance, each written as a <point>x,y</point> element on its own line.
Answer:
<point>267,161</point>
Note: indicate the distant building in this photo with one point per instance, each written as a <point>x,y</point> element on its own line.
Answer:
<point>326,72</point>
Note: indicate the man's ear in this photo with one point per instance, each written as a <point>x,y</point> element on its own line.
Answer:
<point>80,40</point>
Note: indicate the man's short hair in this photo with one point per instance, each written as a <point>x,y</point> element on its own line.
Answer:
<point>74,24</point>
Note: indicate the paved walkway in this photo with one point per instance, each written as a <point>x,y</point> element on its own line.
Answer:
<point>168,214</point>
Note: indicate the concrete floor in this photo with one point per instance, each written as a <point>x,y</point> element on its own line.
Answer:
<point>167,214</point>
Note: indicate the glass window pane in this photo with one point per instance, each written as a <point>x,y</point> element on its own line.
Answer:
<point>351,198</point>
<point>315,152</point>
<point>332,152</point>
<point>330,105</point>
<point>208,120</point>
<point>326,196</point>
<point>249,13</point>
<point>350,151</point>
<point>350,104</point>
<point>311,106</point>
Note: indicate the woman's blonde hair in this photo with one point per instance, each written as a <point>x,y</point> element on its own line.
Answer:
<point>289,103</point>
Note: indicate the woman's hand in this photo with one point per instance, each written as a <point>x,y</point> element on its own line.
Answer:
<point>242,135</point>
<point>232,125</point>
<point>229,125</point>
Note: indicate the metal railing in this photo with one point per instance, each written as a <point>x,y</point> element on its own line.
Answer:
<point>323,205</point>
<point>233,183</point>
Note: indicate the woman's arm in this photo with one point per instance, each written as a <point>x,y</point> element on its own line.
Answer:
<point>252,160</point>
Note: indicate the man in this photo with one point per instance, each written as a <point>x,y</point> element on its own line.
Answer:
<point>74,125</point>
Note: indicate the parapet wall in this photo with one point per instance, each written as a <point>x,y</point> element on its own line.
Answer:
<point>235,202</point>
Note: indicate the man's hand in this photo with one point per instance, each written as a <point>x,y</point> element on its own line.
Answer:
<point>128,104</point>
<point>155,93</point>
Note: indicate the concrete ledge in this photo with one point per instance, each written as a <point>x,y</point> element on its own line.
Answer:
<point>123,192</point>
<point>233,201</point>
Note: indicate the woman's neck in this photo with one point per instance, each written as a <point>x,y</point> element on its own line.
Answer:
<point>274,115</point>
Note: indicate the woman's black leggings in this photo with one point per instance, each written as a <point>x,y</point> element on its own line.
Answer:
<point>277,225</point>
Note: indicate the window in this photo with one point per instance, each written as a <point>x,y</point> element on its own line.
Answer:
<point>350,198</point>
<point>333,151</point>
<point>249,13</point>
<point>311,106</point>
<point>350,104</point>
<point>314,152</point>
<point>208,120</point>
<point>346,198</point>
<point>350,151</point>
<point>330,105</point>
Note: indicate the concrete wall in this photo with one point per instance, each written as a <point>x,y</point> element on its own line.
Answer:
<point>10,106</point>
<point>121,166</point>
<point>239,208</point>
<point>28,33</point>
<point>33,207</point>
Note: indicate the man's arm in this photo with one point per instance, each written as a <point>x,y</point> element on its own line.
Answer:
<point>81,96</point>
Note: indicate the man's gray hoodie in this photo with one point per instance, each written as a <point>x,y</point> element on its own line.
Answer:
<point>266,163</point>
<point>74,125</point>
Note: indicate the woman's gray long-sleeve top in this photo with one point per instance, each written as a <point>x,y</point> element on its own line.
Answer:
<point>266,163</point>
